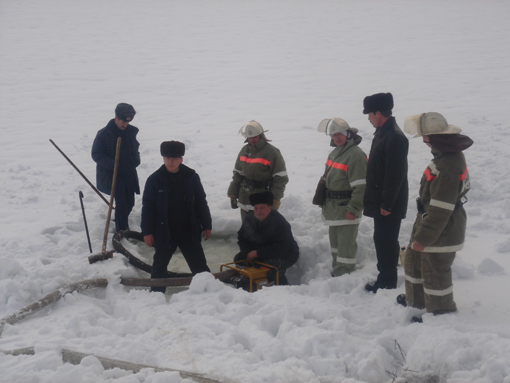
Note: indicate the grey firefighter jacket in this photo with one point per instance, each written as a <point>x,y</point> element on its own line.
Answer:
<point>258,168</point>
<point>441,222</point>
<point>347,171</point>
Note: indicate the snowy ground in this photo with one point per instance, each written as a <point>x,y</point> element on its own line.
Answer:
<point>196,71</point>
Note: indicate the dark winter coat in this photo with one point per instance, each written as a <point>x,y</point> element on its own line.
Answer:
<point>272,238</point>
<point>155,206</point>
<point>103,153</point>
<point>387,185</point>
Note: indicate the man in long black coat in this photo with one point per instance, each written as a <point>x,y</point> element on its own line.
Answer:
<point>175,213</point>
<point>387,191</point>
<point>266,236</point>
<point>104,149</point>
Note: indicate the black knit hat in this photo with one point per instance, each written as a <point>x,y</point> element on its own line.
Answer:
<point>379,102</point>
<point>125,112</point>
<point>264,197</point>
<point>172,149</point>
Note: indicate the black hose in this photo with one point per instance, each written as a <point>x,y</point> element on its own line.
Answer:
<point>119,248</point>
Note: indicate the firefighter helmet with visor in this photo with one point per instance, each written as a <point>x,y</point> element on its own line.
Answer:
<point>336,125</point>
<point>251,129</point>
<point>429,123</point>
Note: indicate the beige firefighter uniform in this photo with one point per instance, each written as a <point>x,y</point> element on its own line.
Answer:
<point>345,183</point>
<point>440,227</point>
<point>258,168</point>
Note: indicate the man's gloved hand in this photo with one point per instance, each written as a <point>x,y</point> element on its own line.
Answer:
<point>276,204</point>
<point>233,201</point>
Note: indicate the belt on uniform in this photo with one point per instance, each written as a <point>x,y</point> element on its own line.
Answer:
<point>257,184</point>
<point>338,194</point>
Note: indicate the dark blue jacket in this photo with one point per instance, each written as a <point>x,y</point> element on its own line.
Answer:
<point>272,238</point>
<point>155,206</point>
<point>387,185</point>
<point>103,153</point>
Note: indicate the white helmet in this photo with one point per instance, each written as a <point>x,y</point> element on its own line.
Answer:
<point>429,123</point>
<point>335,125</point>
<point>251,129</point>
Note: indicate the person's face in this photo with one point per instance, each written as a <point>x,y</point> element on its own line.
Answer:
<point>375,119</point>
<point>172,163</point>
<point>339,139</point>
<point>121,124</point>
<point>261,211</point>
<point>426,139</point>
<point>253,140</point>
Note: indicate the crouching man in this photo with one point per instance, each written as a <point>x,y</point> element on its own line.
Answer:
<point>266,236</point>
<point>175,213</point>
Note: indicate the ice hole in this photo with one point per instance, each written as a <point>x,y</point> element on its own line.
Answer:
<point>218,250</point>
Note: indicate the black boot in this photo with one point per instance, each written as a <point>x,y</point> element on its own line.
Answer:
<point>372,287</point>
<point>401,300</point>
<point>283,280</point>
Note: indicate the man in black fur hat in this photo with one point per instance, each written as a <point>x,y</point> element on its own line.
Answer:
<point>386,192</point>
<point>175,213</point>
<point>266,236</point>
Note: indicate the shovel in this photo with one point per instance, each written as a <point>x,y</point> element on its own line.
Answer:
<point>108,254</point>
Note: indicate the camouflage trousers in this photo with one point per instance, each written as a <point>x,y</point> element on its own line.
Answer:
<point>428,281</point>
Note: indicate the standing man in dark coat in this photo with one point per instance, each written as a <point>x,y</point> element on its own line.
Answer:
<point>103,153</point>
<point>387,191</point>
<point>266,236</point>
<point>175,213</point>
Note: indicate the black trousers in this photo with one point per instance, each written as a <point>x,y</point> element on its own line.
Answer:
<point>192,252</point>
<point>386,230</point>
<point>124,202</point>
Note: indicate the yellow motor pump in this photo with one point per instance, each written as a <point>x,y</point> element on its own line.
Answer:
<point>256,274</point>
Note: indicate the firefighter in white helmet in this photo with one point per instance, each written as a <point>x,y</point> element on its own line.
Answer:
<point>259,167</point>
<point>346,169</point>
<point>440,225</point>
